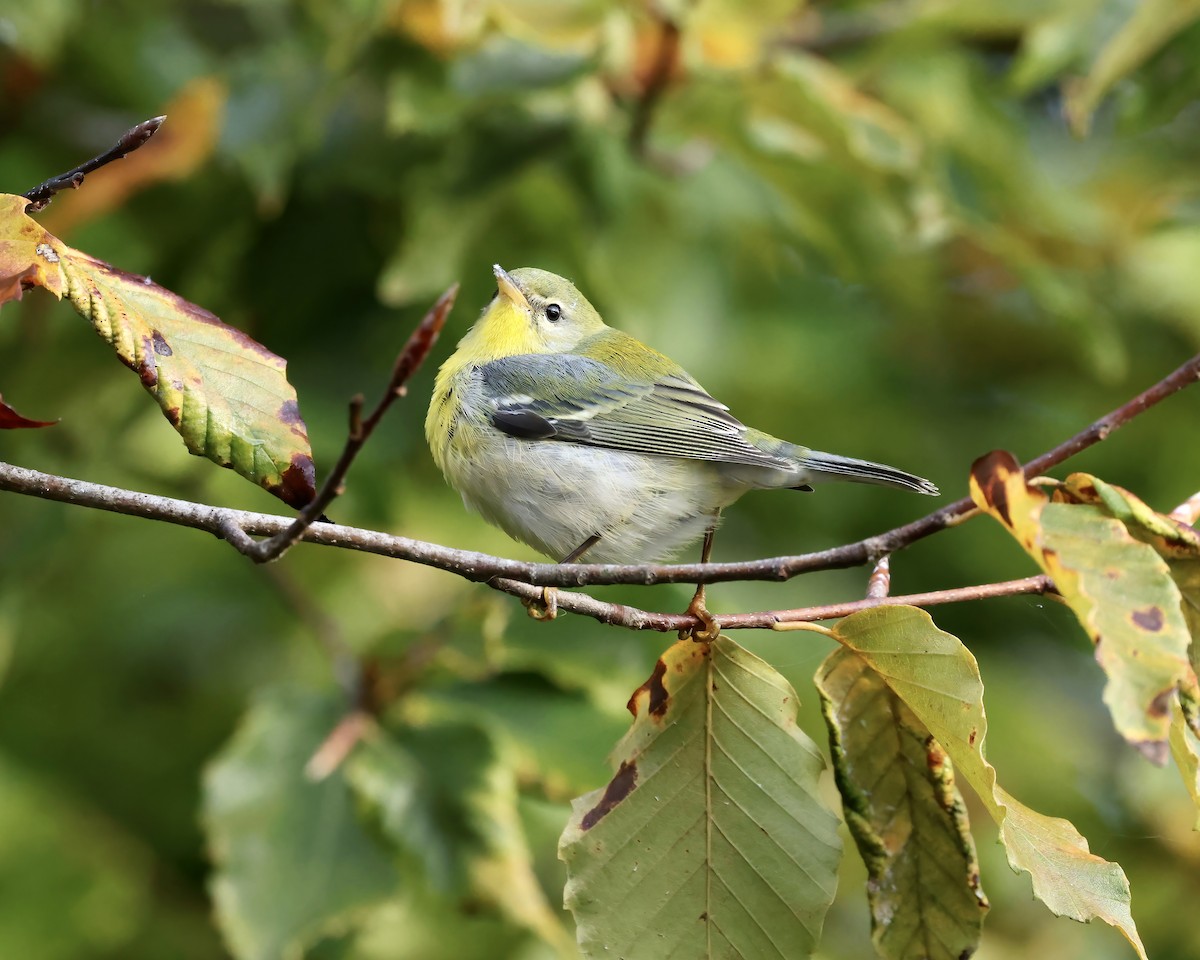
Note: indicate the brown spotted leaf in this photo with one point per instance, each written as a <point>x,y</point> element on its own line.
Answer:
<point>1177,543</point>
<point>710,840</point>
<point>1119,588</point>
<point>906,816</point>
<point>937,678</point>
<point>226,395</point>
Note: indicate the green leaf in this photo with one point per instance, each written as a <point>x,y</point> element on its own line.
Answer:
<point>710,838</point>
<point>226,395</point>
<point>1150,26</point>
<point>906,815</point>
<point>292,860</point>
<point>554,737</point>
<point>938,680</point>
<point>1119,588</point>
<point>443,795</point>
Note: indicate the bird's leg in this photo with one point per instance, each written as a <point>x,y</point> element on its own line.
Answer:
<point>711,629</point>
<point>549,607</point>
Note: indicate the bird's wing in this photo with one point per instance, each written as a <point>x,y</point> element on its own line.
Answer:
<point>575,399</point>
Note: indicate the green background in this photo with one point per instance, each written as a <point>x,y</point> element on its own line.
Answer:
<point>867,227</point>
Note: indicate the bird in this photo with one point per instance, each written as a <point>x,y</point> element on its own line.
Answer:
<point>584,443</point>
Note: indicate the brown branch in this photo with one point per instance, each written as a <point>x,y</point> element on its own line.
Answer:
<point>133,138</point>
<point>409,361</point>
<point>476,566</point>
<point>633,618</point>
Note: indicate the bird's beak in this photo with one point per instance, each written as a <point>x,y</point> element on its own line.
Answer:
<point>511,292</point>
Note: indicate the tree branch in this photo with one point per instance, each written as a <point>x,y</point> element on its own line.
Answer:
<point>633,618</point>
<point>483,567</point>
<point>133,138</point>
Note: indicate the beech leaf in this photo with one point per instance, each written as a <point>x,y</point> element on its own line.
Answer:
<point>1119,588</point>
<point>710,841</point>
<point>906,816</point>
<point>292,861</point>
<point>937,678</point>
<point>226,395</point>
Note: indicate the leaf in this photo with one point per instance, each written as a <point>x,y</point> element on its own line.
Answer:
<point>225,394</point>
<point>906,815</point>
<point>1185,748</point>
<point>554,737</point>
<point>710,837</point>
<point>443,796</point>
<point>1150,27</point>
<point>938,680</point>
<point>1119,588</point>
<point>11,420</point>
<point>292,861</point>
<point>1177,543</point>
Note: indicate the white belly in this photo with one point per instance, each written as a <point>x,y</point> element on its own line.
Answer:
<point>554,496</point>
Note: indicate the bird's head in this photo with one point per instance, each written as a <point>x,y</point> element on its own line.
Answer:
<point>533,311</point>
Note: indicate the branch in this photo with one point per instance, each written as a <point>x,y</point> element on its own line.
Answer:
<point>415,350</point>
<point>133,138</point>
<point>483,567</point>
<point>633,618</point>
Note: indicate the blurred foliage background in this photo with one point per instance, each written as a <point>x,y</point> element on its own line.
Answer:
<point>889,229</point>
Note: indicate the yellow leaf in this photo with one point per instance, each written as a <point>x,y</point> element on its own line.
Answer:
<point>1119,588</point>
<point>226,395</point>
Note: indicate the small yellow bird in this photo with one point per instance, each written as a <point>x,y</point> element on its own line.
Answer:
<point>583,442</point>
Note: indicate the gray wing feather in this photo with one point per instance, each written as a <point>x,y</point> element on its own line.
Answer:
<point>673,416</point>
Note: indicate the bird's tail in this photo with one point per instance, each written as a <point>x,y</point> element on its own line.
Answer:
<point>862,471</point>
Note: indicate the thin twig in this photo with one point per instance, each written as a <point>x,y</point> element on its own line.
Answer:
<point>879,584</point>
<point>634,618</point>
<point>133,138</point>
<point>409,361</point>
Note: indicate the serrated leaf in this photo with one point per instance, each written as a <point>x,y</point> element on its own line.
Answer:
<point>938,679</point>
<point>710,840</point>
<point>1119,588</point>
<point>906,815</point>
<point>226,395</point>
<point>292,860</point>
<point>1151,24</point>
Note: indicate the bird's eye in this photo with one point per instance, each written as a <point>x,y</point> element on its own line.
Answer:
<point>553,312</point>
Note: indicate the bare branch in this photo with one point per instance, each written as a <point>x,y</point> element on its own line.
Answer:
<point>236,525</point>
<point>133,138</point>
<point>633,618</point>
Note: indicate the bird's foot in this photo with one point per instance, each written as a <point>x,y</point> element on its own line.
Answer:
<point>709,628</point>
<point>547,608</point>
